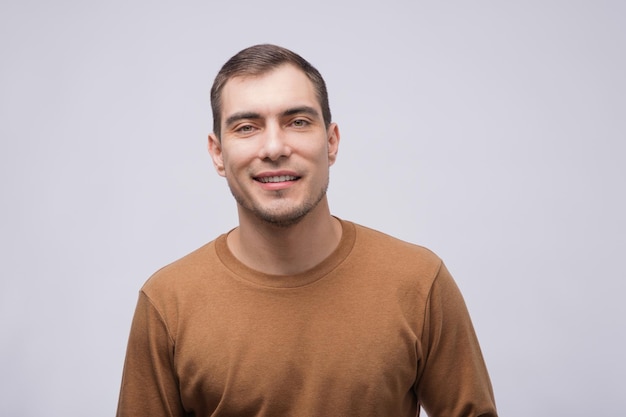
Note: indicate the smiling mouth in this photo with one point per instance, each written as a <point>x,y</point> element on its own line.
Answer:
<point>277,178</point>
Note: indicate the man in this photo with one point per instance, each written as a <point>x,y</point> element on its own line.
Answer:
<point>296,312</point>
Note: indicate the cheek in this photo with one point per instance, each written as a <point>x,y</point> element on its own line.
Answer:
<point>315,151</point>
<point>324,158</point>
<point>236,167</point>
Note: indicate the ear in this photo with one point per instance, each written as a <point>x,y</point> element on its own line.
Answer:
<point>215,150</point>
<point>333,143</point>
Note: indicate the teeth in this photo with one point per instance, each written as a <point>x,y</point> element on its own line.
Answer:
<point>278,178</point>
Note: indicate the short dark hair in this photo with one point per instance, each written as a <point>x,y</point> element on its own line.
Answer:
<point>260,59</point>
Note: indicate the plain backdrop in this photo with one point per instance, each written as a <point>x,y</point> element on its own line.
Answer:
<point>492,132</point>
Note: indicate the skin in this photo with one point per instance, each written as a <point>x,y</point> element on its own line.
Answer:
<point>275,153</point>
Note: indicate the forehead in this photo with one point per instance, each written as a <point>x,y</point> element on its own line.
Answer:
<point>274,91</point>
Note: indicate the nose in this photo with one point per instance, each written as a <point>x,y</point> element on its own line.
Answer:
<point>274,143</point>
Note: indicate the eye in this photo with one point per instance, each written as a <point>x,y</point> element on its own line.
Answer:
<point>300,123</point>
<point>245,129</point>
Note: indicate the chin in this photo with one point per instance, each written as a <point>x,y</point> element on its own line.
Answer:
<point>286,219</point>
<point>281,215</point>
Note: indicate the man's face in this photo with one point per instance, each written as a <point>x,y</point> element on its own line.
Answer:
<point>275,150</point>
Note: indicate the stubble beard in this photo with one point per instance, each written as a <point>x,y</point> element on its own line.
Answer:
<point>277,217</point>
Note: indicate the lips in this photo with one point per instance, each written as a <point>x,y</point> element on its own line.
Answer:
<point>276,178</point>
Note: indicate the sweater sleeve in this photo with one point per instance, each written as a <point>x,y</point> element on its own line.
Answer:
<point>149,383</point>
<point>453,379</point>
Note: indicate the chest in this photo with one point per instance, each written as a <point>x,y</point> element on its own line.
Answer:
<point>251,353</point>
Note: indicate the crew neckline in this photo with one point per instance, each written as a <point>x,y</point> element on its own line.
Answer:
<point>243,272</point>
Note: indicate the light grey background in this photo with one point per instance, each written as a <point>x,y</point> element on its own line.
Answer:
<point>492,132</point>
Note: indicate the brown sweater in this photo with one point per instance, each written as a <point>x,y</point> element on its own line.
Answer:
<point>376,329</point>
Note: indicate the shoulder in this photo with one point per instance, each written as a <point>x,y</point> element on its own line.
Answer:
<point>388,255</point>
<point>380,244</point>
<point>183,272</point>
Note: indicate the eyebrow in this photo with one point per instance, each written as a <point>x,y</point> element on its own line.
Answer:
<point>301,110</point>
<point>241,116</point>
<point>234,118</point>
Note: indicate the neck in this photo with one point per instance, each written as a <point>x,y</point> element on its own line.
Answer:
<point>286,250</point>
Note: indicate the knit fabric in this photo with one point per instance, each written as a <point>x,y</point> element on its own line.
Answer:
<point>376,329</point>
